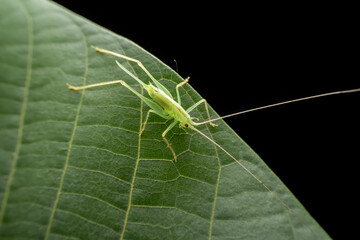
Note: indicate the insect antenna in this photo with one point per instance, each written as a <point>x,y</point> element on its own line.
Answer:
<point>176,64</point>
<point>243,166</point>
<point>281,103</point>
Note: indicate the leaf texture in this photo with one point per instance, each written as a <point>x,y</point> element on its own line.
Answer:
<point>73,165</point>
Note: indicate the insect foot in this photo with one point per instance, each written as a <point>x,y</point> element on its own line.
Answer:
<point>96,48</point>
<point>213,124</point>
<point>71,86</point>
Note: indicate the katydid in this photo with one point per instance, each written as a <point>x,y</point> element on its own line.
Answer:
<point>164,105</point>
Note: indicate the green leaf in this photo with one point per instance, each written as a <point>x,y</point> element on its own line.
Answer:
<point>73,165</point>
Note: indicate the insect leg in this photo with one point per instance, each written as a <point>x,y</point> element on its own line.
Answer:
<point>206,108</point>
<point>177,89</point>
<point>167,142</point>
<point>157,83</point>
<point>145,122</point>
<point>147,117</point>
<point>92,85</point>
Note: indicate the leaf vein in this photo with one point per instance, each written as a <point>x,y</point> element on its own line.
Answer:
<point>88,220</point>
<point>71,140</point>
<point>172,207</point>
<point>101,172</point>
<point>23,110</point>
<point>103,149</point>
<point>108,126</point>
<point>218,177</point>
<point>94,198</point>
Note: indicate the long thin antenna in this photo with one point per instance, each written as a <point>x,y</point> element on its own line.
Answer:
<point>176,64</point>
<point>242,165</point>
<point>281,103</point>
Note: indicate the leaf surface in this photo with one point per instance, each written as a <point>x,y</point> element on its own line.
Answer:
<point>73,165</point>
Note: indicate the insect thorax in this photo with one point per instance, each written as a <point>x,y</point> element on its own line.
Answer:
<point>169,105</point>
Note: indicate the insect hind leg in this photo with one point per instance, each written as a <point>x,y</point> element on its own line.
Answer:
<point>177,89</point>
<point>157,83</point>
<point>101,50</point>
<point>77,88</point>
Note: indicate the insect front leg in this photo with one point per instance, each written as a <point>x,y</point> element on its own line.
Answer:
<point>177,89</point>
<point>206,108</point>
<point>167,142</point>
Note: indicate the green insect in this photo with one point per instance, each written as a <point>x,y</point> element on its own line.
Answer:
<point>163,104</point>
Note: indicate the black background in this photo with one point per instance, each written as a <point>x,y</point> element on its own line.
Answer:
<point>241,57</point>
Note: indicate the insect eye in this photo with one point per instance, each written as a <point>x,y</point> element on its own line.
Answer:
<point>186,125</point>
